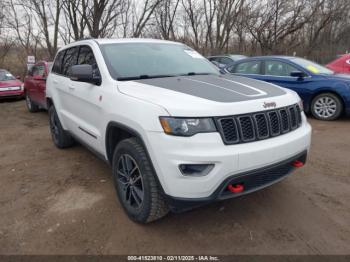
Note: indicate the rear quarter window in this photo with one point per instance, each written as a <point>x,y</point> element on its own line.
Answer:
<point>57,65</point>
<point>225,60</point>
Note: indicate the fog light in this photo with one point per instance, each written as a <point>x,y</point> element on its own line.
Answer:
<point>196,169</point>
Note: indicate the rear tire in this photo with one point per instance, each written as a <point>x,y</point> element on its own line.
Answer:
<point>32,108</point>
<point>60,137</point>
<point>326,106</point>
<point>136,184</point>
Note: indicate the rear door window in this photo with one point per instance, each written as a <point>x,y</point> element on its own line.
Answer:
<point>251,67</point>
<point>225,60</point>
<point>278,68</point>
<point>69,59</point>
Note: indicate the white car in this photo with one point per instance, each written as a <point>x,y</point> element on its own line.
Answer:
<point>176,132</point>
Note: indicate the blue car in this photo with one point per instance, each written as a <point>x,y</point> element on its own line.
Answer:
<point>326,95</point>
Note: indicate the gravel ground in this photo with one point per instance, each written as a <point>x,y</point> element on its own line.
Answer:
<point>63,202</point>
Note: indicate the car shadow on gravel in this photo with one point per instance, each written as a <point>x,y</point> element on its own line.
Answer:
<point>10,100</point>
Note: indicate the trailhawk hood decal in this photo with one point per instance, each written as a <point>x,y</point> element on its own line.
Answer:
<point>209,95</point>
<point>224,89</point>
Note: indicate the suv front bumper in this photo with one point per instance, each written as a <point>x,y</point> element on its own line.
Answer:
<point>9,94</point>
<point>252,181</point>
<point>168,152</point>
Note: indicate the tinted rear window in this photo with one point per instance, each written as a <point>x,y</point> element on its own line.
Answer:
<point>56,68</point>
<point>70,59</point>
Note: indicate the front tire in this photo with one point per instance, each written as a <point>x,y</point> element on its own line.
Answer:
<point>32,108</point>
<point>60,137</point>
<point>326,106</point>
<point>136,184</point>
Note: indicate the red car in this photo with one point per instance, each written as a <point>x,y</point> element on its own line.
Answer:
<point>10,86</point>
<point>341,65</point>
<point>35,86</point>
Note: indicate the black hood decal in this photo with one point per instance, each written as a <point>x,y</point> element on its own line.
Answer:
<point>225,88</point>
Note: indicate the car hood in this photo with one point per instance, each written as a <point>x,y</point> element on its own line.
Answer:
<point>10,83</point>
<point>209,95</point>
<point>341,77</point>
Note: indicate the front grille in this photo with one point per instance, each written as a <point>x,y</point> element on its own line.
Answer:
<point>258,126</point>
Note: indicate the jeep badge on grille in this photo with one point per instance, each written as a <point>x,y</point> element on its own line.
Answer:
<point>269,105</point>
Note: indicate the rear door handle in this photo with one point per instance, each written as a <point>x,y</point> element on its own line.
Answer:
<point>55,81</point>
<point>71,87</point>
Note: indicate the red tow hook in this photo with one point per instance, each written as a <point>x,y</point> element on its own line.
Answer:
<point>238,188</point>
<point>298,164</point>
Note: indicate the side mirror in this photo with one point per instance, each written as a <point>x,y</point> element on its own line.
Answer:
<point>83,73</point>
<point>228,69</point>
<point>298,74</point>
<point>215,63</point>
<point>18,77</point>
<point>223,71</point>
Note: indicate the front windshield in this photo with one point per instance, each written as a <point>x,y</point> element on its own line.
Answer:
<point>312,67</point>
<point>127,61</point>
<point>6,76</point>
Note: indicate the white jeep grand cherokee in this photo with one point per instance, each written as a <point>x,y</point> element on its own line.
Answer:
<point>177,133</point>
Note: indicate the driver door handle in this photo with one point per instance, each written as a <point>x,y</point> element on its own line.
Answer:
<point>71,87</point>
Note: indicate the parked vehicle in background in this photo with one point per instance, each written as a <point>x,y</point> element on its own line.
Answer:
<point>10,86</point>
<point>222,61</point>
<point>326,95</point>
<point>35,86</point>
<point>177,133</point>
<point>340,65</point>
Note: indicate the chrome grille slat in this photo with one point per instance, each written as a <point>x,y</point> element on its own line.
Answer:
<point>259,125</point>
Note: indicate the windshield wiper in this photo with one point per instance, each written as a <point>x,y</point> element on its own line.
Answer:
<point>128,78</point>
<point>195,74</point>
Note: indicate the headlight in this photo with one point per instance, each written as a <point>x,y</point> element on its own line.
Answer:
<point>187,126</point>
